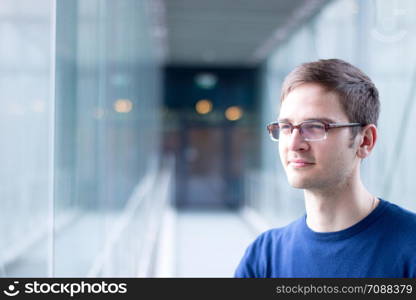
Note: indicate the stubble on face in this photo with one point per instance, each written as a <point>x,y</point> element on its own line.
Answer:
<point>333,157</point>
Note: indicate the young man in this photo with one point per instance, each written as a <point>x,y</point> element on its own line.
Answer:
<point>326,127</point>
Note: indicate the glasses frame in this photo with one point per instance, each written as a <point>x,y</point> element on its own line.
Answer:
<point>326,124</point>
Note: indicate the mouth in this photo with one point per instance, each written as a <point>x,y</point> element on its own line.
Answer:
<point>300,164</point>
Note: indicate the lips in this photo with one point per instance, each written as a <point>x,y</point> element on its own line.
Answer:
<point>298,163</point>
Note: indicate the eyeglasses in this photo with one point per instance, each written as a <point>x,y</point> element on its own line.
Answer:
<point>310,130</point>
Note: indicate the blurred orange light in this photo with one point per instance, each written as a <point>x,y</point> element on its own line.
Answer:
<point>123,106</point>
<point>203,106</point>
<point>234,113</point>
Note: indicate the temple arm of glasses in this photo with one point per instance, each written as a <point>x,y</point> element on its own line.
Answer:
<point>344,125</point>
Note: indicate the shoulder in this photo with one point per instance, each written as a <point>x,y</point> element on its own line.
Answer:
<point>400,223</point>
<point>405,228</point>
<point>400,218</point>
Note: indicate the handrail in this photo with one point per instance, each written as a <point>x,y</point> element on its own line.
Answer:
<point>146,262</point>
<point>136,198</point>
<point>152,191</point>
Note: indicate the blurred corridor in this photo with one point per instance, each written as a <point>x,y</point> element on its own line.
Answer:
<point>133,131</point>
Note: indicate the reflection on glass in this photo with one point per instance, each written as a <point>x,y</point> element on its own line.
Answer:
<point>74,172</point>
<point>25,177</point>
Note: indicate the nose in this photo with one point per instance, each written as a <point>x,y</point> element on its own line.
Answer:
<point>296,142</point>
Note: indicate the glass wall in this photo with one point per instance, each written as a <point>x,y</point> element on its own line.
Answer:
<point>377,36</point>
<point>80,85</point>
<point>26,116</point>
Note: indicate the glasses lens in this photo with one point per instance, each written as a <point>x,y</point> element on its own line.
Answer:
<point>313,130</point>
<point>285,128</point>
<point>273,131</point>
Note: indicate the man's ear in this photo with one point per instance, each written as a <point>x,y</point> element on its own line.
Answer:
<point>368,138</point>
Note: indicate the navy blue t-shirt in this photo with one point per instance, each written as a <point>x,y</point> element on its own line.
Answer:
<point>383,244</point>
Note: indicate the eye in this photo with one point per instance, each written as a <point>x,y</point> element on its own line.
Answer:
<point>284,126</point>
<point>313,126</point>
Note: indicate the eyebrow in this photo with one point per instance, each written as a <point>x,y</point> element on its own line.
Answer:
<point>309,119</point>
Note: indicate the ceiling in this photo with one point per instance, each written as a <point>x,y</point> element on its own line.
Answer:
<point>230,32</point>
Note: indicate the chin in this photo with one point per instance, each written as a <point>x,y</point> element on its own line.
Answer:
<point>299,183</point>
<point>299,186</point>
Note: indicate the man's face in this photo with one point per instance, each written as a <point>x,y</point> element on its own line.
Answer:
<point>331,161</point>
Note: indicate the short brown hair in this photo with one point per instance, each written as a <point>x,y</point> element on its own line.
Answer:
<point>358,94</point>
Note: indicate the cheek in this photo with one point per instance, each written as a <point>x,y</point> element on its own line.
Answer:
<point>335,159</point>
<point>282,152</point>
<point>326,157</point>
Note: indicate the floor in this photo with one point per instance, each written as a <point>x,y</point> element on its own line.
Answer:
<point>209,243</point>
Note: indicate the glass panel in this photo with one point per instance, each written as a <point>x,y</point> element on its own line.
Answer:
<point>107,135</point>
<point>80,142</point>
<point>25,119</point>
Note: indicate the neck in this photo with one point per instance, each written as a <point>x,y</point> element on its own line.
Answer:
<point>338,208</point>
